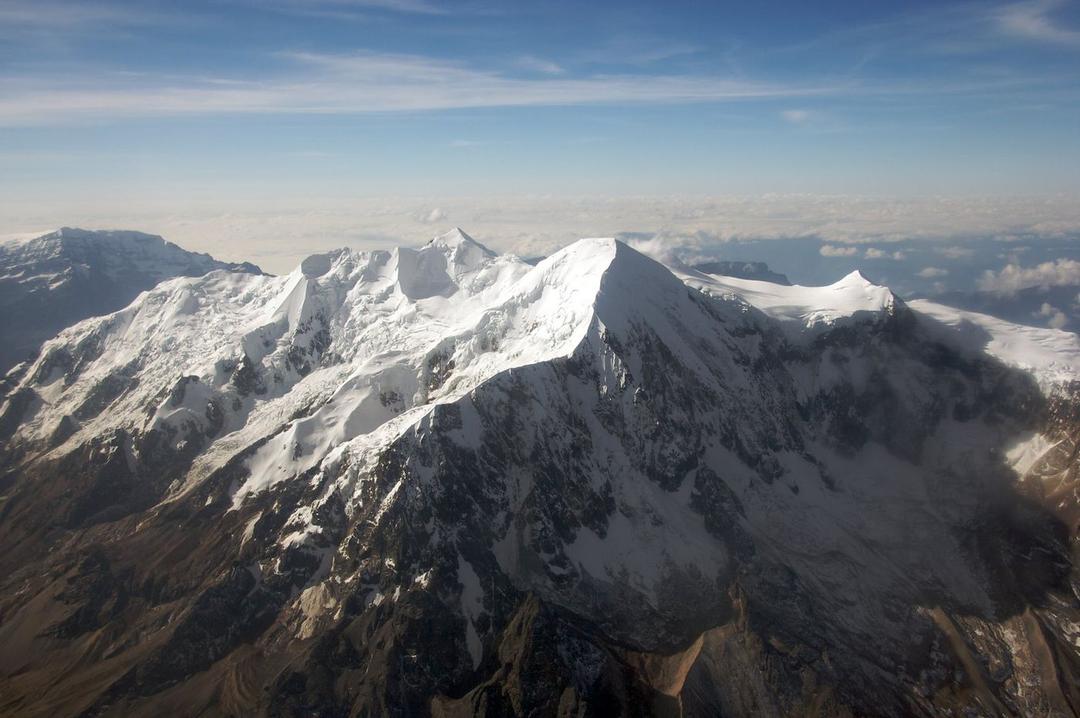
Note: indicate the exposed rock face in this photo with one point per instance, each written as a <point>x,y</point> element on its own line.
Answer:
<point>441,482</point>
<point>52,282</point>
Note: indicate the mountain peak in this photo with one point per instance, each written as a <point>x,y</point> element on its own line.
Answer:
<point>103,235</point>
<point>67,275</point>
<point>806,311</point>
<point>463,253</point>
<point>457,238</point>
<point>855,277</point>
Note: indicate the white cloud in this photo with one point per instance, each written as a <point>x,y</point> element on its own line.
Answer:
<point>1056,317</point>
<point>1013,277</point>
<point>875,253</point>
<point>20,16</point>
<point>832,250</point>
<point>955,252</point>
<point>435,215</point>
<point>932,272</point>
<point>405,6</point>
<point>662,248</point>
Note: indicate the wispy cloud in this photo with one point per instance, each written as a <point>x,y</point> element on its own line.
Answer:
<point>351,9</point>
<point>1032,21</point>
<point>407,6</point>
<point>372,82</point>
<point>541,65</point>
<point>19,17</point>
<point>948,30</point>
<point>58,17</point>
<point>369,82</point>
<point>635,49</point>
<point>356,83</point>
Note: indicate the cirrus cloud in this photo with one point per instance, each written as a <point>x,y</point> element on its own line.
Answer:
<point>357,83</point>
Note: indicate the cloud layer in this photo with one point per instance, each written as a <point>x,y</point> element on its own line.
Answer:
<point>278,233</point>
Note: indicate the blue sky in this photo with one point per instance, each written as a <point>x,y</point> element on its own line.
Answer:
<point>278,97</point>
<point>267,129</point>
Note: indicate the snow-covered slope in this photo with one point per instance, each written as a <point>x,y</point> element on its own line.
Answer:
<point>1052,355</point>
<point>1057,307</point>
<point>53,281</point>
<point>367,336</point>
<point>803,311</point>
<point>448,482</point>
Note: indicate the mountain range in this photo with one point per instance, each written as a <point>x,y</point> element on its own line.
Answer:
<point>53,281</point>
<point>443,481</point>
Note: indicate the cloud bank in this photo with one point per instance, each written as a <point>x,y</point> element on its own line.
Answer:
<point>1013,277</point>
<point>278,232</point>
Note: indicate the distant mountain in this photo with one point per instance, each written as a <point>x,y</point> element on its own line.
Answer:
<point>60,278</point>
<point>438,481</point>
<point>742,270</point>
<point>1054,307</point>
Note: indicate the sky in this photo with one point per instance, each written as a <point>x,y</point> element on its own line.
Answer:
<point>260,129</point>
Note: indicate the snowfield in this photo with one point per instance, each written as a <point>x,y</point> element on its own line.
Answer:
<point>395,321</point>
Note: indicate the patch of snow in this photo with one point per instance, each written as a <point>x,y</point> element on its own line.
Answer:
<point>472,605</point>
<point>1027,450</point>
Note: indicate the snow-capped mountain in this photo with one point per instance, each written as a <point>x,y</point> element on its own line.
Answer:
<point>60,278</point>
<point>441,481</point>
